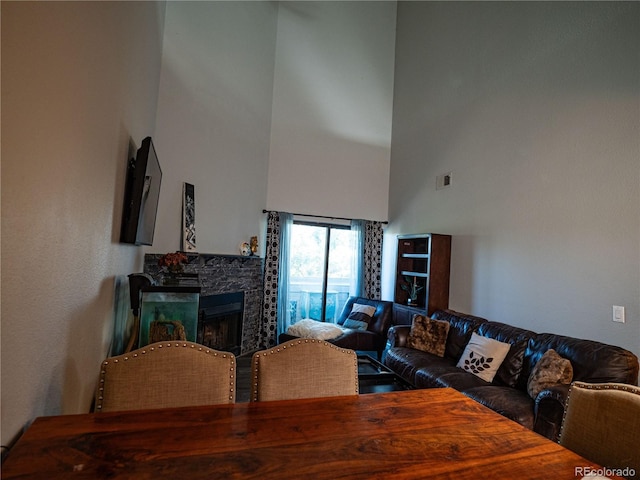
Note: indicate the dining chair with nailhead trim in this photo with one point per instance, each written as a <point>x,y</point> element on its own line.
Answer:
<point>602,423</point>
<point>303,368</point>
<point>166,374</point>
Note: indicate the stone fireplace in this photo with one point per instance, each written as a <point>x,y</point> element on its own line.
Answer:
<point>234,284</point>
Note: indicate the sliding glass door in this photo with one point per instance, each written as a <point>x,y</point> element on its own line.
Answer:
<point>322,270</point>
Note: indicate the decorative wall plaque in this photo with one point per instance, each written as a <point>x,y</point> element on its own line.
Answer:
<point>188,218</point>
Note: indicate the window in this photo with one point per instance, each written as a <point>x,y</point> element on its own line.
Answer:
<point>322,270</point>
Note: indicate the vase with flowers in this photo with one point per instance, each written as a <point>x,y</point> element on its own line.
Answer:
<point>172,265</point>
<point>173,262</point>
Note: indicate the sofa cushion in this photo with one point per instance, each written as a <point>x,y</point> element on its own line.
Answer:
<point>511,367</point>
<point>428,335</point>
<point>460,328</point>
<point>358,340</point>
<point>550,370</point>
<point>483,356</point>
<point>451,377</point>
<point>592,361</point>
<point>406,361</point>
<point>509,402</point>
<point>360,317</point>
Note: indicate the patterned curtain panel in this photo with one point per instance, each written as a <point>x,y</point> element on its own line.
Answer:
<point>269,325</point>
<point>372,263</point>
<point>275,305</point>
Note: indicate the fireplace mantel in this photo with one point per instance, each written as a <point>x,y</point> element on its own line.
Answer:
<point>225,274</point>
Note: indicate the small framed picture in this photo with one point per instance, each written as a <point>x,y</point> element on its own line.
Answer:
<point>188,218</point>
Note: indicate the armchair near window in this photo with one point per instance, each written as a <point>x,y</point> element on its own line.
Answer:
<point>373,338</point>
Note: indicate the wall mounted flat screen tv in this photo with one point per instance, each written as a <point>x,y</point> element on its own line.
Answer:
<point>142,190</point>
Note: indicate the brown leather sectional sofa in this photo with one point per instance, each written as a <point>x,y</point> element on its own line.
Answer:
<point>591,361</point>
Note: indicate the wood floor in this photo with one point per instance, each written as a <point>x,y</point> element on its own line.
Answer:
<point>243,378</point>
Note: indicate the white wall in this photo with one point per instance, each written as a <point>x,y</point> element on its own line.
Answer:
<point>535,109</point>
<point>332,106</point>
<point>214,117</point>
<point>79,82</point>
<point>285,107</point>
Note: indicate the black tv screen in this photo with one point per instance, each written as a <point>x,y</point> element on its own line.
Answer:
<point>142,190</point>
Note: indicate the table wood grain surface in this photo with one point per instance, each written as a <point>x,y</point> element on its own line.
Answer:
<point>418,434</point>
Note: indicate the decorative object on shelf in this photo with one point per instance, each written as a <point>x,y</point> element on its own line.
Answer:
<point>174,262</point>
<point>412,288</point>
<point>254,245</point>
<point>188,218</point>
<point>161,330</point>
<point>245,249</point>
<point>173,271</point>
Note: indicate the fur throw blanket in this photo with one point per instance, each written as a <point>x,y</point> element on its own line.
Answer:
<point>308,328</point>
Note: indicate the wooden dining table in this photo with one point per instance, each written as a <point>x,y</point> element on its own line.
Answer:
<point>413,434</point>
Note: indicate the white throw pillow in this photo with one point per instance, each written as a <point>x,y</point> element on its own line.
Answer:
<point>483,356</point>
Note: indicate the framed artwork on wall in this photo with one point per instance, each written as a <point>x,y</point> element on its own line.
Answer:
<point>188,218</point>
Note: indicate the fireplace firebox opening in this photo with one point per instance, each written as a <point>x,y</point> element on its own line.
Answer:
<point>220,321</point>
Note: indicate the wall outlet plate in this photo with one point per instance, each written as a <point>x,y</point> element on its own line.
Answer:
<point>618,314</point>
<point>443,181</point>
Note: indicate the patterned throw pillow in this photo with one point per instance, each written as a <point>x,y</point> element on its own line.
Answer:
<point>360,317</point>
<point>483,356</point>
<point>550,370</point>
<point>428,335</point>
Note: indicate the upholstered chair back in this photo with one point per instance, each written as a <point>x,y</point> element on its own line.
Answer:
<point>166,374</point>
<point>303,368</point>
<point>602,423</point>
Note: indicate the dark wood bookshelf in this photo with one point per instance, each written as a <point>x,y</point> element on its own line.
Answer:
<point>424,261</point>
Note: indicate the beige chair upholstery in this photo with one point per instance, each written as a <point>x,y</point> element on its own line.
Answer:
<point>303,368</point>
<point>602,423</point>
<point>166,374</point>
